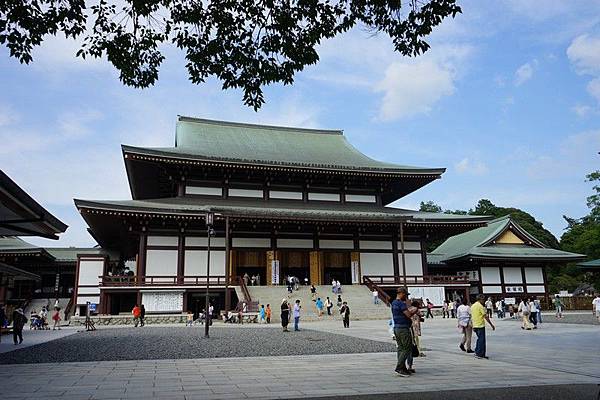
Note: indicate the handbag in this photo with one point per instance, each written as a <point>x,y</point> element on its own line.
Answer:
<point>415,350</point>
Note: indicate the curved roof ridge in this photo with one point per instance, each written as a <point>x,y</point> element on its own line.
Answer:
<point>290,129</point>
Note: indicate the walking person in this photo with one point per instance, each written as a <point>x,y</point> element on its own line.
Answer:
<point>524,310</point>
<point>3,319</point>
<point>558,306</point>
<point>402,317</point>
<point>489,307</point>
<point>136,315</point>
<point>452,310</point>
<point>319,305</point>
<point>297,308</point>
<point>345,313</point>
<point>596,306</point>
<point>499,309</point>
<point>339,300</point>
<point>429,306</point>
<point>313,293</point>
<point>268,313</point>
<point>445,307</point>
<point>416,331</point>
<point>328,305</point>
<point>19,321</point>
<point>375,294</point>
<point>534,312</point>
<point>479,316</point>
<point>56,319</point>
<point>333,286</point>
<point>142,315</point>
<point>285,315</point>
<point>465,324</point>
<point>262,314</point>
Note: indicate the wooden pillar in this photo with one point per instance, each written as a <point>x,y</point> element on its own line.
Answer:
<point>402,252</point>
<point>227,266</point>
<point>141,265</point>
<point>316,267</point>
<point>355,258</point>
<point>395,262</point>
<point>269,260</point>
<point>180,259</point>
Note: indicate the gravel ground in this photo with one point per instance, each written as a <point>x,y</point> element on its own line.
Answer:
<point>586,319</point>
<point>151,343</point>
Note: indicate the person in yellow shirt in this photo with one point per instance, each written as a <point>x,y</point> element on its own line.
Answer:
<point>479,316</point>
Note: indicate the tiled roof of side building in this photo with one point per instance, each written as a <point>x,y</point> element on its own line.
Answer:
<point>480,243</point>
<point>590,264</point>
<point>201,139</point>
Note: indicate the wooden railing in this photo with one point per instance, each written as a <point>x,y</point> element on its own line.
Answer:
<point>417,280</point>
<point>382,294</point>
<point>161,280</point>
<point>244,288</point>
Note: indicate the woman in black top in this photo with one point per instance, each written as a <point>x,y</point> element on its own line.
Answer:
<point>285,313</point>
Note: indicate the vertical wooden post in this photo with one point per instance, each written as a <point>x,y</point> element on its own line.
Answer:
<point>141,267</point>
<point>316,270</point>
<point>269,270</point>
<point>395,263</point>
<point>402,252</point>
<point>227,266</point>
<point>180,259</point>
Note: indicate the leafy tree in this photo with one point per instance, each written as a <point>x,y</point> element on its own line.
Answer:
<point>245,44</point>
<point>430,206</point>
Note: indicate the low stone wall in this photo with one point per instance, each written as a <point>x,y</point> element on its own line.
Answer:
<point>128,320</point>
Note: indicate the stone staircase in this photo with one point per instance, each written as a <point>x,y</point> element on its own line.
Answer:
<point>37,304</point>
<point>358,297</point>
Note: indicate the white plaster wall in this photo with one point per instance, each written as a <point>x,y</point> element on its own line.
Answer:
<point>246,193</point>
<point>336,244</point>
<point>203,241</point>
<point>87,290</point>
<point>324,196</point>
<point>490,275</point>
<point>414,264</point>
<point>435,294</point>
<point>534,275</point>
<point>81,300</point>
<point>512,275</point>
<point>281,194</point>
<point>535,289</point>
<point>375,245</point>
<point>251,242</point>
<point>161,262</point>
<point>363,198</point>
<point>295,243</point>
<point>195,263</point>
<point>89,271</point>
<point>492,289</point>
<point>204,190</point>
<point>376,264</point>
<point>163,240</point>
<point>410,246</point>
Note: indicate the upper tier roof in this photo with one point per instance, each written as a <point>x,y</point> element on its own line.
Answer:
<point>485,243</point>
<point>202,139</point>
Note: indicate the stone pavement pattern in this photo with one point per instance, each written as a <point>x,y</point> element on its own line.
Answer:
<point>514,363</point>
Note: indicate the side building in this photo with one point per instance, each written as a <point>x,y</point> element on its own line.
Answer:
<point>501,260</point>
<point>285,201</point>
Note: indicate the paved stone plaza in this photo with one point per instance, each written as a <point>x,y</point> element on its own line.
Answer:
<point>555,354</point>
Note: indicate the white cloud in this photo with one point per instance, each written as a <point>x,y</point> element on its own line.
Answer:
<point>593,88</point>
<point>584,54</point>
<point>73,124</point>
<point>471,167</point>
<point>524,73</point>
<point>581,110</point>
<point>7,115</point>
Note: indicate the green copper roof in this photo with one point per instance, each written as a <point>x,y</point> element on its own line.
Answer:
<point>258,208</point>
<point>202,139</point>
<point>15,245</point>
<point>590,264</point>
<point>479,243</point>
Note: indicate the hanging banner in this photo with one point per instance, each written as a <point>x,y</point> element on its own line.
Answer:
<point>355,272</point>
<point>275,272</point>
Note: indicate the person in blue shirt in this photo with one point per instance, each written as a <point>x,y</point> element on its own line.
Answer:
<point>402,317</point>
<point>319,305</point>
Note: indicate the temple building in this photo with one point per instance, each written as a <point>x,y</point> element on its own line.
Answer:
<point>501,260</point>
<point>285,201</point>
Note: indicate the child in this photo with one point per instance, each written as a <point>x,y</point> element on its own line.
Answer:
<point>262,314</point>
<point>268,311</point>
<point>190,319</point>
<point>416,326</point>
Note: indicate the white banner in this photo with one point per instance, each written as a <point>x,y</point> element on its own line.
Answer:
<point>275,272</point>
<point>163,301</point>
<point>355,274</point>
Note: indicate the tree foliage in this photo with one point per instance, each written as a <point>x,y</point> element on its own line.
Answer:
<point>245,44</point>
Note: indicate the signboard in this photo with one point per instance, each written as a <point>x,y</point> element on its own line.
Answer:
<point>275,272</point>
<point>92,307</point>
<point>510,300</point>
<point>435,294</point>
<point>163,301</point>
<point>514,289</point>
<point>472,276</point>
<point>355,272</point>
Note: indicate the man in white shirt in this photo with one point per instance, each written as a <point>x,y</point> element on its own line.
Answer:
<point>375,297</point>
<point>296,315</point>
<point>596,306</point>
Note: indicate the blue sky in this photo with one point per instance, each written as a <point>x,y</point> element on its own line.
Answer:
<point>507,99</point>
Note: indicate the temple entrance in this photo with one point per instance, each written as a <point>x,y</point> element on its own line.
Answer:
<point>121,303</point>
<point>337,266</point>
<point>196,301</point>
<point>253,263</point>
<point>295,263</point>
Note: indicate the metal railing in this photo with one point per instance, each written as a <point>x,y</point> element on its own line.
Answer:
<point>158,280</point>
<point>417,280</point>
<point>382,294</point>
